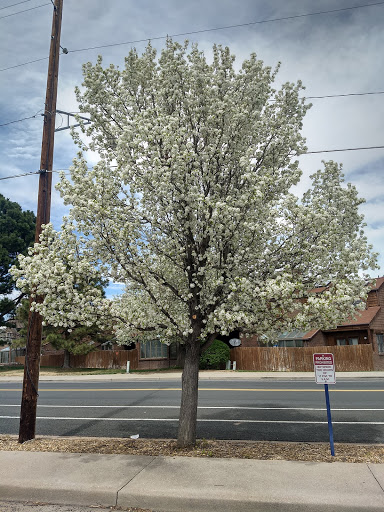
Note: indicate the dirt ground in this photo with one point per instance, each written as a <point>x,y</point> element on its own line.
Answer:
<point>315,452</point>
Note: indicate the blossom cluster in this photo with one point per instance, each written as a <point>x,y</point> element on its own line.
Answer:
<point>190,206</point>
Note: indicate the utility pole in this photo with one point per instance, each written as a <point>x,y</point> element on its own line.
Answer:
<point>33,348</point>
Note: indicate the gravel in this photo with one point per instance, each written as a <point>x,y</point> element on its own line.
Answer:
<point>315,452</point>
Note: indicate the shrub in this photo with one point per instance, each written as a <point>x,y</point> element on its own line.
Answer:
<point>215,357</point>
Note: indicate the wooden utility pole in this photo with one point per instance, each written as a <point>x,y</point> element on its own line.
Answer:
<point>33,348</point>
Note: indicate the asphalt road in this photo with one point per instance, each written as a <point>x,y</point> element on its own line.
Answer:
<point>243,410</point>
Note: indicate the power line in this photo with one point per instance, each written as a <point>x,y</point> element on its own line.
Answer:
<point>19,175</point>
<point>331,11</point>
<point>18,120</point>
<point>24,63</point>
<point>25,10</point>
<point>306,153</point>
<point>271,20</point>
<point>345,149</point>
<point>343,95</point>
<point>13,5</point>
<point>305,97</point>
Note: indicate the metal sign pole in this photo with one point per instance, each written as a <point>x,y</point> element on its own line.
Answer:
<point>330,427</point>
<point>325,374</point>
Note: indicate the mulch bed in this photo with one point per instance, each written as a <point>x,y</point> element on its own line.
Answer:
<point>315,452</point>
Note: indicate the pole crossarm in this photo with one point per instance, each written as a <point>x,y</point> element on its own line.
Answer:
<point>69,114</point>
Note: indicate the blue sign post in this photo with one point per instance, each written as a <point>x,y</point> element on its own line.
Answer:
<point>325,374</point>
<point>330,427</point>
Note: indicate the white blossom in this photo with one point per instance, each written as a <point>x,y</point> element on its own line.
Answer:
<point>197,219</point>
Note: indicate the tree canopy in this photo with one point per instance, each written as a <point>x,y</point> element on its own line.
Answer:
<point>191,207</point>
<point>17,233</point>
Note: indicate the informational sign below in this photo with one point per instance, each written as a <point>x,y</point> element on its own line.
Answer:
<point>324,368</point>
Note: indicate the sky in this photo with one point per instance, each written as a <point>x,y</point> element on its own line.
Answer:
<point>335,53</point>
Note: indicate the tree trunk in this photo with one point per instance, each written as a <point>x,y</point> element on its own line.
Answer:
<point>189,396</point>
<point>66,363</point>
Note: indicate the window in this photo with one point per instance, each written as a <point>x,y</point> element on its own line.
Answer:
<point>153,349</point>
<point>347,341</point>
<point>290,343</point>
<point>380,343</point>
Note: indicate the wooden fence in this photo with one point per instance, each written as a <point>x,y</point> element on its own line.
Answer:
<point>96,359</point>
<point>273,359</point>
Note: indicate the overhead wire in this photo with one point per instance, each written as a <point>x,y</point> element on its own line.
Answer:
<point>345,149</point>
<point>192,32</point>
<point>343,95</point>
<point>373,93</point>
<point>25,10</point>
<point>238,25</point>
<point>24,63</point>
<point>306,153</point>
<point>13,5</point>
<point>18,120</point>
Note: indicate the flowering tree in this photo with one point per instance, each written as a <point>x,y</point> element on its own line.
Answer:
<point>190,206</point>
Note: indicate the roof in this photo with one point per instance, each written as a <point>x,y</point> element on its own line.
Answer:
<point>310,334</point>
<point>297,335</point>
<point>377,283</point>
<point>291,335</point>
<point>364,317</point>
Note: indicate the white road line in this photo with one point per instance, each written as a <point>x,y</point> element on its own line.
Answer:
<point>236,421</point>
<point>200,407</point>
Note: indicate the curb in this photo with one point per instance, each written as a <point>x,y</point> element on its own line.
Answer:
<point>186,484</point>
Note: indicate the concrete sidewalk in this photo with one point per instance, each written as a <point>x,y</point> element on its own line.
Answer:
<point>174,484</point>
<point>203,375</point>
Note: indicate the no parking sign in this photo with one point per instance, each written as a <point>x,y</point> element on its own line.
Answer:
<point>324,368</point>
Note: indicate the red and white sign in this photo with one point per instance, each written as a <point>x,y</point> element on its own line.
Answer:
<point>324,368</point>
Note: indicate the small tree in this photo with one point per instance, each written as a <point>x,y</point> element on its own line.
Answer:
<point>215,357</point>
<point>197,219</point>
<point>78,339</point>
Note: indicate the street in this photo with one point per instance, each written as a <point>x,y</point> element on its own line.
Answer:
<point>238,410</point>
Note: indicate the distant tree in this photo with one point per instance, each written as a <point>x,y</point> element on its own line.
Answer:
<point>80,340</point>
<point>17,233</point>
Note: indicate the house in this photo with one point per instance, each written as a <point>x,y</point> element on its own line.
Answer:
<point>7,334</point>
<point>366,327</point>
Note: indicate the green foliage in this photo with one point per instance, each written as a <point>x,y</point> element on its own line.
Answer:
<point>17,233</point>
<point>215,357</point>
<point>76,341</point>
